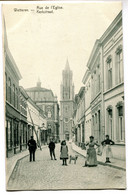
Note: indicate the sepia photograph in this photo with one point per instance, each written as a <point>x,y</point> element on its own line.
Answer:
<point>64,96</point>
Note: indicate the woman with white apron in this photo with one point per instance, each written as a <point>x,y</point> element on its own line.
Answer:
<point>107,143</point>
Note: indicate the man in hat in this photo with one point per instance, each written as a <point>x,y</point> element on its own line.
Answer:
<point>52,149</point>
<point>108,142</point>
<point>32,148</point>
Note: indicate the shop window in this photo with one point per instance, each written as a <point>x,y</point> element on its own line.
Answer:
<point>16,134</point>
<point>9,134</point>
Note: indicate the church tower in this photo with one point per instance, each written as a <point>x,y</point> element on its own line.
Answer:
<point>66,103</point>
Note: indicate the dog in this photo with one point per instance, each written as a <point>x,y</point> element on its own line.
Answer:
<point>73,158</point>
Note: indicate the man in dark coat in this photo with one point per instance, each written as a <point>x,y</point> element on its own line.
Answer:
<point>32,148</point>
<point>52,149</point>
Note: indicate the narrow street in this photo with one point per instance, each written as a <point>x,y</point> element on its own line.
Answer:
<point>46,174</point>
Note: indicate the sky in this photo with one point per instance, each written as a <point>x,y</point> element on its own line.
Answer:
<point>40,43</point>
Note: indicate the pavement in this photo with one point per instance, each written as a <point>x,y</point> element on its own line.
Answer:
<point>115,163</point>
<point>47,174</point>
<point>12,161</point>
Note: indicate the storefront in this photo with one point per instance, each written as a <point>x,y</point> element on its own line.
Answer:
<point>12,131</point>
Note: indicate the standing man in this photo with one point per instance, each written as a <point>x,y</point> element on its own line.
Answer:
<point>52,149</point>
<point>32,148</point>
<point>107,143</point>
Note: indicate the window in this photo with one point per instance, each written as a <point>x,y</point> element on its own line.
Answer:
<point>119,65</point>
<point>93,120</point>
<point>23,133</point>
<point>109,72</point>
<point>66,109</point>
<point>49,114</point>
<point>6,84</point>
<point>96,118</point>
<point>9,134</point>
<point>83,136</point>
<point>16,98</point>
<point>120,123</point>
<point>99,83</point>
<point>9,90</point>
<point>16,138</point>
<point>66,119</point>
<point>14,95</point>
<point>110,123</point>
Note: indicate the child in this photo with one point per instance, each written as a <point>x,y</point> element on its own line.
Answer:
<point>64,152</point>
<point>108,142</point>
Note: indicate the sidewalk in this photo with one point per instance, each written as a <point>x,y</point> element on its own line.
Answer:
<point>12,161</point>
<point>115,163</point>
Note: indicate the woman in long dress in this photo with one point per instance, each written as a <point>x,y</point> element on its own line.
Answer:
<point>91,158</point>
<point>64,152</point>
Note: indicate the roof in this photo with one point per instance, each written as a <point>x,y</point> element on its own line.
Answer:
<point>93,53</point>
<point>46,93</point>
<point>112,26</point>
<point>24,92</point>
<point>37,89</point>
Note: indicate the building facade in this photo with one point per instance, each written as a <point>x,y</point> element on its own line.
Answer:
<point>47,102</point>
<point>95,67</point>
<point>113,92</point>
<point>23,119</point>
<point>18,125</point>
<point>79,116</point>
<point>36,122</point>
<point>12,106</point>
<point>88,115</point>
<point>66,103</point>
<point>104,103</point>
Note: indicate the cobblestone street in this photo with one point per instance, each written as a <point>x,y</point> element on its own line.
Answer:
<point>44,174</point>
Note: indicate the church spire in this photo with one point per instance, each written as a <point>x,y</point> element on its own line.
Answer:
<point>67,65</point>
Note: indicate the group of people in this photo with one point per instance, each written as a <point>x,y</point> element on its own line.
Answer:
<point>91,156</point>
